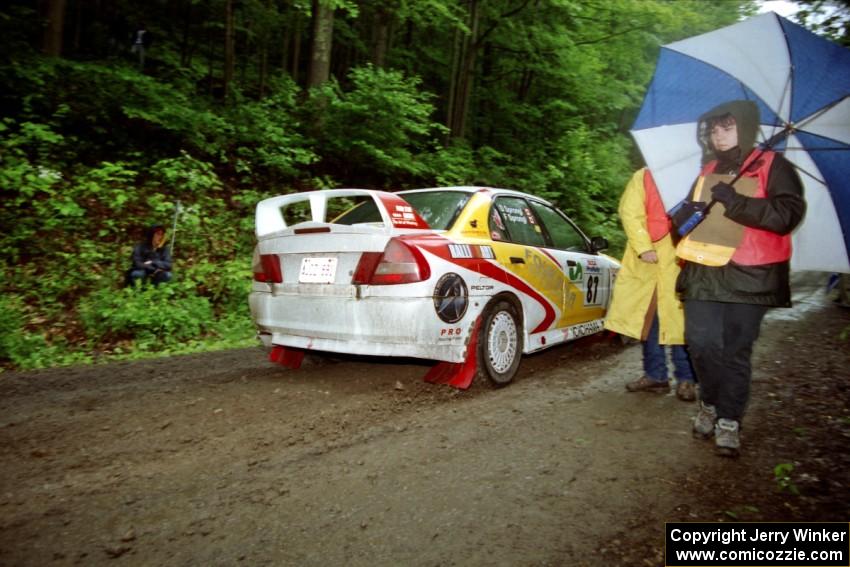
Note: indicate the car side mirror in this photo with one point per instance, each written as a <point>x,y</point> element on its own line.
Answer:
<point>599,243</point>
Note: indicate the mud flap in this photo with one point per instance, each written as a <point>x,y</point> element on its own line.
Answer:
<point>285,356</point>
<point>458,374</point>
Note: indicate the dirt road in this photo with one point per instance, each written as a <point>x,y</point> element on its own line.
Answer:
<point>227,459</point>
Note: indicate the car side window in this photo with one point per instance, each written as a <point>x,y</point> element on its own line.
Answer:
<point>497,226</point>
<point>520,224</point>
<point>562,233</point>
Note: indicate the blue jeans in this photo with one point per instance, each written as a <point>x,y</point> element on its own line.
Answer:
<point>655,358</point>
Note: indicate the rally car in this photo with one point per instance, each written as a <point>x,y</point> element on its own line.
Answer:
<point>469,276</point>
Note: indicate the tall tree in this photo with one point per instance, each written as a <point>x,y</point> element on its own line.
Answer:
<point>381,22</point>
<point>264,48</point>
<point>292,60</point>
<point>229,46</point>
<point>52,43</point>
<point>463,77</point>
<point>464,70</point>
<point>320,54</point>
<point>185,45</point>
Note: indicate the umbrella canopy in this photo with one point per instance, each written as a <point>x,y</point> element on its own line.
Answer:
<point>801,83</point>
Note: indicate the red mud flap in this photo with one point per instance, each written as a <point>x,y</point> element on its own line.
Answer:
<point>458,374</point>
<point>289,357</point>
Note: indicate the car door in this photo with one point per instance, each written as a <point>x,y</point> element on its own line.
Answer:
<point>513,224</point>
<point>586,276</point>
<point>520,244</point>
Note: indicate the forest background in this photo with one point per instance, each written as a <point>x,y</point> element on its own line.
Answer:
<point>238,100</point>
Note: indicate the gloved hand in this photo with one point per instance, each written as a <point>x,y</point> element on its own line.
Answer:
<point>723,193</point>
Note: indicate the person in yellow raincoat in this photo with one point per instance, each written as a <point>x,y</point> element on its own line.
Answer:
<point>645,305</point>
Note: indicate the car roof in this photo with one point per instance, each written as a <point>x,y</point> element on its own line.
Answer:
<point>474,189</point>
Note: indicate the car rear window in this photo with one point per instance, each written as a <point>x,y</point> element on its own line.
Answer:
<point>438,208</point>
<point>363,212</point>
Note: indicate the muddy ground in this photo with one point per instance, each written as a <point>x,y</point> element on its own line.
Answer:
<point>227,459</point>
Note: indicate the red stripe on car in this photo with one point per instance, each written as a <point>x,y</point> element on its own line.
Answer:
<point>438,246</point>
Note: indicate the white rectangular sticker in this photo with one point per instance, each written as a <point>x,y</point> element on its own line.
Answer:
<point>317,270</point>
<point>583,329</point>
<point>592,278</point>
<point>471,251</point>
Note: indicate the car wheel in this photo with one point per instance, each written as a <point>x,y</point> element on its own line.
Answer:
<point>499,342</point>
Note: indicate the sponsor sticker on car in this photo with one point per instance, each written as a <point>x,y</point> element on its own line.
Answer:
<point>583,329</point>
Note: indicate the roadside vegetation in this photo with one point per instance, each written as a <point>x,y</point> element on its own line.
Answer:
<point>239,100</point>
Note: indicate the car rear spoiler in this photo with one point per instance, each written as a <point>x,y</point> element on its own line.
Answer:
<point>395,212</point>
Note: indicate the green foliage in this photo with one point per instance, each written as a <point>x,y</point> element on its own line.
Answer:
<point>266,138</point>
<point>27,349</point>
<point>184,176</point>
<point>25,180</point>
<point>784,483</point>
<point>452,165</point>
<point>153,316</point>
<point>381,124</point>
<point>226,283</point>
<point>93,149</point>
<point>15,343</point>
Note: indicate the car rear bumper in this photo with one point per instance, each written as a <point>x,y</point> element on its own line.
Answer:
<point>378,326</point>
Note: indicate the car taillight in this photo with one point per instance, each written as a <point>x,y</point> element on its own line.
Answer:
<point>399,263</point>
<point>267,268</point>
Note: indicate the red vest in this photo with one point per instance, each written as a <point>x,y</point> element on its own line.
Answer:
<point>657,221</point>
<point>758,246</point>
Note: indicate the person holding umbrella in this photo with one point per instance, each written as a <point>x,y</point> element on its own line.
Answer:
<point>724,305</point>
<point>645,306</point>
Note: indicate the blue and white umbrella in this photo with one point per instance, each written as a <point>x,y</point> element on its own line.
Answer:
<point>801,83</point>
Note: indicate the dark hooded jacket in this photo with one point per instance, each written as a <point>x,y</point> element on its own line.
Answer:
<point>144,251</point>
<point>780,212</point>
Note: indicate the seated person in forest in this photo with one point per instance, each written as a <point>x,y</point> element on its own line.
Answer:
<point>151,259</point>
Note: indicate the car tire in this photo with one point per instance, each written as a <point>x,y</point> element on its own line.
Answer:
<point>499,342</point>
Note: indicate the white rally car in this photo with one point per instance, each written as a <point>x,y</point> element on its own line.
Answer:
<point>472,277</point>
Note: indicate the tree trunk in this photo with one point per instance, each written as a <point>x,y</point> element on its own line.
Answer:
<point>296,47</point>
<point>264,69</point>
<point>52,44</point>
<point>320,56</point>
<point>229,47</point>
<point>286,40</point>
<point>78,24</point>
<point>210,61</point>
<point>525,85</point>
<point>466,75</point>
<point>380,37</point>
<point>453,78</point>
<point>185,55</point>
<point>264,54</point>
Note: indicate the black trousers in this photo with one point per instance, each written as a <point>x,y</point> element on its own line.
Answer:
<point>720,339</point>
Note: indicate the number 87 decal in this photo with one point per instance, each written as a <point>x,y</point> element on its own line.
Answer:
<point>592,286</point>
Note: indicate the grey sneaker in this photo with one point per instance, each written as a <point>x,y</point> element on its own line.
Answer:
<point>704,421</point>
<point>726,438</point>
